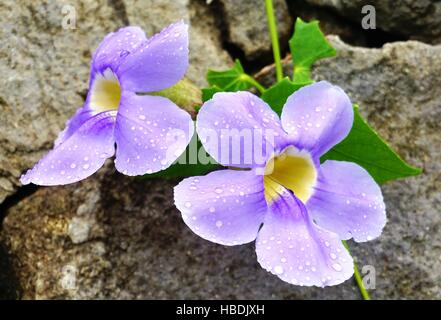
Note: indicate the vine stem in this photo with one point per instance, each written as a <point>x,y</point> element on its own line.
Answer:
<point>358,278</point>
<point>272,26</point>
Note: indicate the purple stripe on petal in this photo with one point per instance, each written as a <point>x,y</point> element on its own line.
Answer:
<point>292,247</point>
<point>239,129</point>
<point>347,201</point>
<point>158,63</point>
<point>151,133</point>
<point>116,47</point>
<point>78,156</point>
<point>225,206</point>
<point>318,117</point>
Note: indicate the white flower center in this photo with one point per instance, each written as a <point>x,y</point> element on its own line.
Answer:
<point>293,170</point>
<point>105,92</point>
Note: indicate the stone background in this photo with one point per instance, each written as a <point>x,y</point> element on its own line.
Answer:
<point>112,236</point>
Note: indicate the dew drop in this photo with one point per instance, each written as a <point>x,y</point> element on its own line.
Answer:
<point>278,269</point>
<point>218,190</point>
<point>337,267</point>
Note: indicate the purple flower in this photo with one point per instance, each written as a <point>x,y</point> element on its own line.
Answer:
<point>150,132</point>
<point>297,209</point>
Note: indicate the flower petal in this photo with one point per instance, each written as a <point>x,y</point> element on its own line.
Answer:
<point>239,129</point>
<point>78,156</point>
<point>347,201</point>
<point>151,133</point>
<point>225,206</point>
<point>318,117</point>
<point>115,47</point>
<point>158,63</point>
<point>73,124</point>
<point>292,247</point>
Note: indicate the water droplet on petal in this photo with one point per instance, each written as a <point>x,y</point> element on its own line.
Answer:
<point>278,269</point>
<point>337,267</point>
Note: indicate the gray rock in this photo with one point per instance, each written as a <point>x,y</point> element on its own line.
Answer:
<point>331,23</point>
<point>103,238</point>
<point>417,20</point>
<point>399,91</point>
<point>247,27</point>
<point>205,39</point>
<point>44,77</point>
<point>45,68</point>
<point>138,247</point>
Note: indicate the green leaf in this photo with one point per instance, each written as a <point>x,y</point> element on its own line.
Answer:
<point>308,44</point>
<point>207,93</point>
<point>365,147</point>
<point>195,161</point>
<point>234,79</point>
<point>277,95</point>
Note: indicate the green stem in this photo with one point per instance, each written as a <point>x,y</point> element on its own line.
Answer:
<point>254,83</point>
<point>358,278</point>
<point>274,38</point>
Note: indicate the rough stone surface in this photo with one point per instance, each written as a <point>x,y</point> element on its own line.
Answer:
<point>247,27</point>
<point>398,90</point>
<point>418,20</point>
<point>330,22</point>
<point>45,68</point>
<point>137,248</point>
<point>112,236</point>
<point>44,72</point>
<point>205,39</point>
<point>136,245</point>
